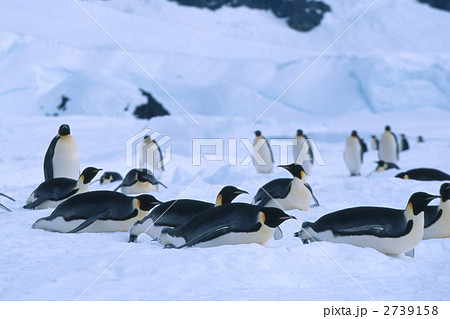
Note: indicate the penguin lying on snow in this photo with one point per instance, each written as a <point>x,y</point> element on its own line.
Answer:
<point>99,211</point>
<point>383,166</point>
<point>177,212</point>
<point>437,218</point>
<point>231,224</point>
<point>424,174</point>
<point>286,193</point>
<point>52,192</point>
<point>3,206</point>
<point>390,231</point>
<point>138,181</point>
<point>62,158</point>
<point>110,177</point>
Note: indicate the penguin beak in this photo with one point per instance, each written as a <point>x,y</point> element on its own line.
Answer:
<point>240,191</point>
<point>156,202</point>
<point>431,197</point>
<point>287,217</point>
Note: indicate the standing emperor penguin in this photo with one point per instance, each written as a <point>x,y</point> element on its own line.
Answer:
<point>437,218</point>
<point>353,154</point>
<point>62,158</point>
<point>151,156</point>
<point>374,143</point>
<point>262,154</point>
<point>404,143</point>
<point>303,153</point>
<point>388,230</point>
<point>388,150</point>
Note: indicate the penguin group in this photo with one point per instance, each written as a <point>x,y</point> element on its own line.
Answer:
<point>180,223</point>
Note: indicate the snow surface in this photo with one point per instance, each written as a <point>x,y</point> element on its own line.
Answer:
<point>225,67</point>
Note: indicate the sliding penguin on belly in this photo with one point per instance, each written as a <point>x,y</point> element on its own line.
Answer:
<point>100,211</point>
<point>177,212</point>
<point>231,224</point>
<point>62,158</point>
<point>390,231</point>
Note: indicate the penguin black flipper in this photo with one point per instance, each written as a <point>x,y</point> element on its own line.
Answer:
<point>90,221</point>
<point>316,202</point>
<point>161,157</point>
<point>432,214</point>
<point>278,233</point>
<point>10,198</point>
<point>278,188</point>
<point>397,148</point>
<point>213,233</point>
<point>56,196</point>
<point>271,153</point>
<point>48,159</point>
<point>5,208</point>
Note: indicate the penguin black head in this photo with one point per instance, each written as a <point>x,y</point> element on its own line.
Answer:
<point>354,133</point>
<point>445,192</point>
<point>402,175</point>
<point>227,194</point>
<point>147,138</point>
<point>402,136</point>
<point>295,169</point>
<point>64,130</point>
<point>299,133</point>
<point>258,133</point>
<point>144,175</point>
<point>274,217</point>
<point>387,128</point>
<point>373,136</point>
<point>147,202</point>
<point>420,139</point>
<point>89,173</point>
<point>419,201</point>
<point>110,177</point>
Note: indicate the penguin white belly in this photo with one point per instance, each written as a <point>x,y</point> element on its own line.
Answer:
<point>301,155</point>
<point>146,227</point>
<point>151,159</point>
<point>66,159</point>
<point>266,166</point>
<point>298,198</point>
<point>388,148</point>
<point>259,237</point>
<point>352,156</point>
<point>386,245</point>
<point>441,228</point>
<point>139,188</point>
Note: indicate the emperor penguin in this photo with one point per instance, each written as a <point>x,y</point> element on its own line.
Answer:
<point>404,143</point>
<point>177,212</point>
<point>303,153</point>
<point>390,231</point>
<point>286,193</point>
<point>420,139</point>
<point>110,177</point>
<point>262,154</point>
<point>424,174</point>
<point>388,149</point>
<point>51,193</point>
<point>353,154</point>
<point>231,224</point>
<point>139,181</point>
<point>98,211</point>
<point>383,166</point>
<point>374,143</point>
<point>437,218</point>
<point>62,158</point>
<point>3,206</point>
<point>151,156</point>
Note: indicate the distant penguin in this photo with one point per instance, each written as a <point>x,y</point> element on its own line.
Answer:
<point>420,139</point>
<point>374,143</point>
<point>390,231</point>
<point>353,154</point>
<point>51,193</point>
<point>177,212</point>
<point>151,156</point>
<point>424,174</point>
<point>388,148</point>
<point>98,211</point>
<point>363,145</point>
<point>286,193</point>
<point>231,224</point>
<point>3,206</point>
<point>383,166</point>
<point>303,153</point>
<point>62,158</point>
<point>139,181</point>
<point>404,143</point>
<point>262,154</point>
<point>437,218</point>
<point>110,177</point>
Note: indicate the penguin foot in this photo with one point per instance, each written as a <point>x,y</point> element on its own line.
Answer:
<point>133,239</point>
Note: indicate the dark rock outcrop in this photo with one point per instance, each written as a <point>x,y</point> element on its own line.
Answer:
<point>438,4</point>
<point>150,109</point>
